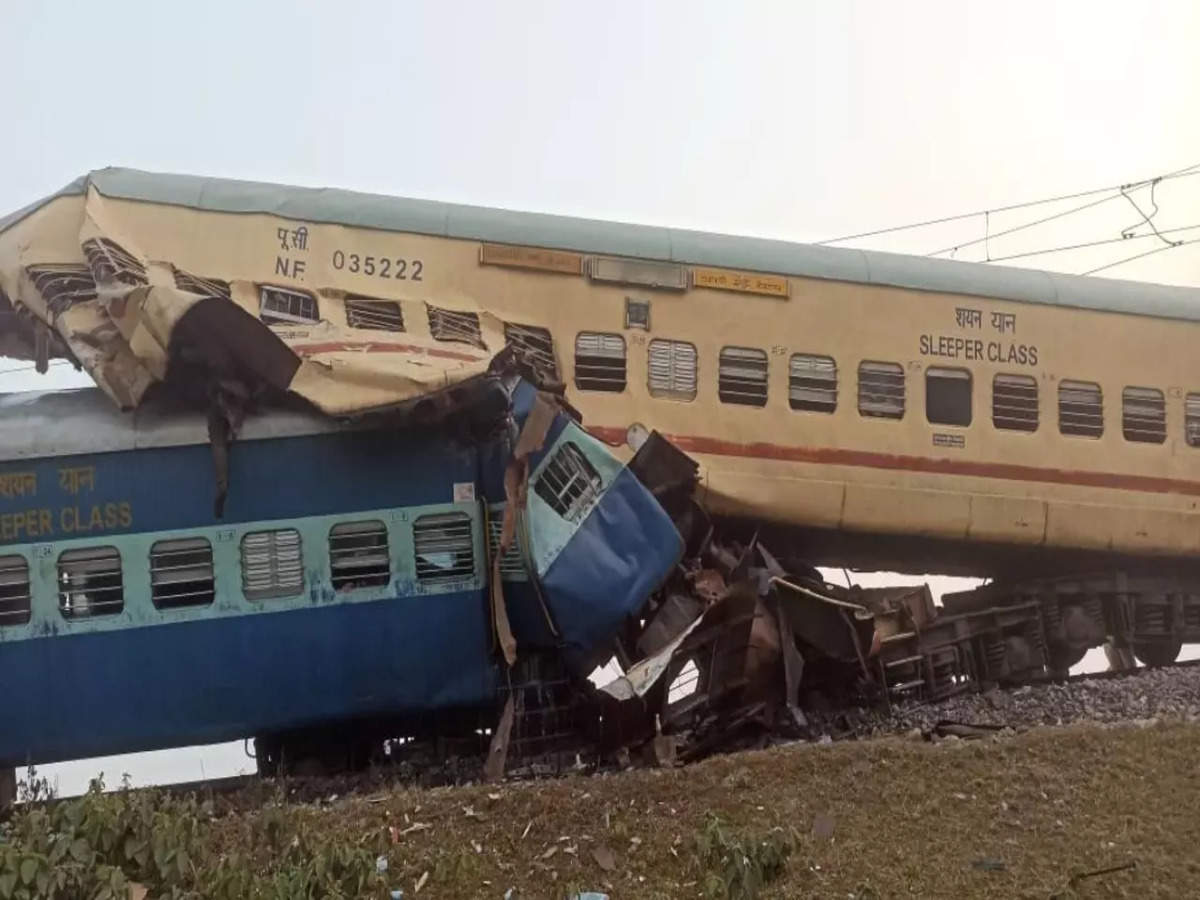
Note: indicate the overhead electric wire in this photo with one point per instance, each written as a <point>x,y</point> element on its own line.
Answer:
<point>1187,171</point>
<point>1140,255</point>
<point>1100,243</point>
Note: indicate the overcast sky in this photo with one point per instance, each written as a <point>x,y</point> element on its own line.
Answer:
<point>799,120</point>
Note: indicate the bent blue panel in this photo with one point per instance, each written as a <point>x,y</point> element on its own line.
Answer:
<point>625,548</point>
<point>526,617</point>
<point>219,679</point>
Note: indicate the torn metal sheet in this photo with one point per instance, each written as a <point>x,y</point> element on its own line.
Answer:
<point>638,681</point>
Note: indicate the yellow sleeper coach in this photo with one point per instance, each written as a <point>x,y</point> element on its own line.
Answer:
<point>892,410</point>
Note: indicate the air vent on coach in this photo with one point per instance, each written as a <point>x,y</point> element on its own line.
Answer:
<point>181,573</point>
<point>358,555</point>
<point>444,547</point>
<point>742,376</point>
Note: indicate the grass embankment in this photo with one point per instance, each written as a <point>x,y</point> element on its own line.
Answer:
<point>1013,817</point>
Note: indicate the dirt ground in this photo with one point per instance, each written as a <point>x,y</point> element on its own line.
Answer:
<point>1011,817</point>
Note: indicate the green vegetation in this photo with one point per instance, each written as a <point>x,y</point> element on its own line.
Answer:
<point>1071,812</point>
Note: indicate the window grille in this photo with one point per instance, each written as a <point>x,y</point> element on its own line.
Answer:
<point>1191,419</point>
<point>109,261</point>
<point>374,315</point>
<point>947,396</point>
<point>62,285</point>
<point>453,325</point>
<point>812,383</point>
<point>272,564</point>
<point>599,362</point>
<point>536,343</point>
<point>444,547</point>
<point>1080,408</point>
<point>1015,402</point>
<point>90,582</point>
<point>1143,415</point>
<point>280,306</point>
<point>569,483</point>
<point>511,565</point>
<point>14,590</point>
<point>181,573</point>
<point>742,376</point>
<point>358,555</point>
<point>205,287</point>
<point>881,390</point>
<point>672,369</point>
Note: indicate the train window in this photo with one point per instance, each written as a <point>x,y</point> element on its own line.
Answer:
<point>812,383</point>
<point>455,325</point>
<point>569,484</point>
<point>1143,415</point>
<point>205,287</point>
<point>534,342</point>
<point>947,396</point>
<point>358,555</point>
<point>672,369</point>
<point>90,582</point>
<point>511,564</point>
<point>742,376</point>
<point>444,547</point>
<point>272,564</point>
<point>599,362</point>
<point>1015,402</point>
<point>109,261</point>
<point>881,389</point>
<point>181,573</point>
<point>1191,419</point>
<point>283,306</point>
<point>14,590</point>
<point>373,315</point>
<point>1080,408</point>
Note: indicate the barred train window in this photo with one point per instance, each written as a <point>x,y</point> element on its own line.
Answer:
<point>14,590</point>
<point>672,369</point>
<point>742,376</point>
<point>1191,419</point>
<point>1080,408</point>
<point>812,383</point>
<point>205,287</point>
<point>947,396</point>
<point>455,325</point>
<point>599,362</point>
<point>272,564</point>
<point>358,555</point>
<point>373,315</point>
<point>881,389</point>
<point>181,573</point>
<point>534,342</point>
<point>1143,415</point>
<point>569,483</point>
<point>443,547</point>
<point>1015,402</point>
<point>511,564</point>
<point>109,261</point>
<point>90,582</point>
<point>281,306</point>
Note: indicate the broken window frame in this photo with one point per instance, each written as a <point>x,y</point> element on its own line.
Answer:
<point>101,565</point>
<point>299,305</point>
<point>110,262</point>
<point>1191,418</point>
<point>882,390</point>
<point>1015,402</point>
<point>359,555</point>
<point>16,591</point>
<point>284,564</point>
<point>672,369</point>
<point>955,376</point>
<point>595,362</point>
<point>812,383</point>
<point>62,285</point>
<point>172,558</point>
<point>216,288</point>
<point>512,563</point>
<point>1143,415</point>
<point>568,483</point>
<point>454,326</point>
<point>373,314</point>
<point>537,343</point>
<point>443,533</point>
<point>742,376</point>
<point>1080,409</point>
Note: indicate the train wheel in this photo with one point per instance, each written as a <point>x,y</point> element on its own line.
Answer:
<point>1157,653</point>
<point>1063,656</point>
